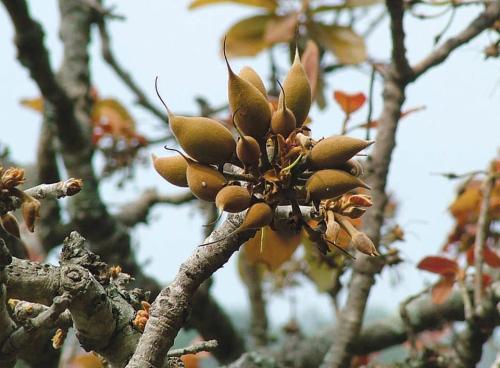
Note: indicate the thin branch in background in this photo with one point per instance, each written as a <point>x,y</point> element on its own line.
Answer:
<point>482,231</point>
<point>468,309</point>
<point>370,103</point>
<point>452,176</point>
<point>126,78</point>
<point>195,348</point>
<point>374,24</point>
<point>446,27</point>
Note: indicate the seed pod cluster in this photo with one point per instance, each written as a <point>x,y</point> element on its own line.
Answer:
<point>269,159</point>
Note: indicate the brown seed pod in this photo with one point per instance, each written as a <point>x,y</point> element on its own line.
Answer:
<point>259,215</point>
<point>333,152</point>
<point>359,240</point>
<point>206,140</point>
<point>298,91</point>
<point>251,76</point>
<point>283,121</point>
<point>353,167</point>
<point>31,212</point>
<point>203,180</point>
<point>10,225</point>
<point>247,149</point>
<point>172,169</point>
<point>325,184</point>
<point>254,115</point>
<point>233,198</point>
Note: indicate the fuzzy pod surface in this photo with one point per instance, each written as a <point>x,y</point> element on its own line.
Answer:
<point>335,151</point>
<point>233,198</point>
<point>206,140</point>
<point>204,181</point>
<point>297,91</point>
<point>172,169</point>
<point>330,183</point>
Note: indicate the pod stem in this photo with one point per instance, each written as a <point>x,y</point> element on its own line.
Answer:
<point>169,113</point>
<point>284,96</point>
<point>347,225</point>
<point>262,237</point>
<point>242,136</point>
<point>341,249</point>
<point>293,164</point>
<point>214,221</point>
<point>225,56</point>
<point>188,160</point>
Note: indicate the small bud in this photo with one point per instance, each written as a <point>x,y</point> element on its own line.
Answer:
<point>114,271</point>
<point>363,243</point>
<point>31,212</point>
<point>73,186</point>
<point>58,338</point>
<point>12,177</point>
<point>353,212</point>
<point>10,225</point>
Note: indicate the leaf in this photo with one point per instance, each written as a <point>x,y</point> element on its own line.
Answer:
<point>466,205</point>
<point>281,29</point>
<point>346,45</point>
<point>349,103</point>
<point>86,360</point>
<point>190,360</point>
<point>439,265</point>
<point>442,290</point>
<point>270,5</point>
<point>319,272</point>
<point>491,258</point>
<point>35,104</point>
<point>273,249</point>
<point>113,118</point>
<point>310,61</point>
<point>246,37</point>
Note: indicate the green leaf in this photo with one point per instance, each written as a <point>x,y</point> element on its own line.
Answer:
<point>271,5</point>
<point>343,42</point>
<point>247,37</point>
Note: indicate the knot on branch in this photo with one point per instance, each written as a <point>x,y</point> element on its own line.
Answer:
<point>5,257</point>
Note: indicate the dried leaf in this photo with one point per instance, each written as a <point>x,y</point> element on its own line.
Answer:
<point>246,37</point>
<point>31,212</point>
<point>491,258</point>
<point>270,5</point>
<point>35,104</point>
<point>86,360</point>
<point>466,205</point>
<point>9,223</point>
<point>310,61</point>
<point>439,265</point>
<point>318,271</point>
<point>190,360</point>
<point>281,29</point>
<point>442,290</point>
<point>273,249</point>
<point>349,103</point>
<point>343,42</point>
<point>113,118</point>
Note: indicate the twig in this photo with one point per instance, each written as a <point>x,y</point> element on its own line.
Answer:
<point>478,25</point>
<point>468,310</point>
<point>195,348</point>
<point>370,103</point>
<point>482,231</point>
<point>126,78</point>
<point>58,190</point>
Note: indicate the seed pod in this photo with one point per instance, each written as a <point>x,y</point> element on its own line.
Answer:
<point>298,91</point>
<point>333,152</point>
<point>283,121</point>
<point>325,184</point>
<point>172,169</point>
<point>353,167</point>
<point>203,180</point>
<point>31,212</point>
<point>233,198</point>
<point>254,115</point>
<point>9,223</point>
<point>206,140</point>
<point>362,242</point>
<point>251,76</point>
<point>259,215</point>
<point>247,149</point>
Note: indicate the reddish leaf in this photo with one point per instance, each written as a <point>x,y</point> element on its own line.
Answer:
<point>491,257</point>
<point>487,279</point>
<point>439,265</point>
<point>442,290</point>
<point>349,102</point>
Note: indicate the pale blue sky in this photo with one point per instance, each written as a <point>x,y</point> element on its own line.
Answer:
<point>459,131</point>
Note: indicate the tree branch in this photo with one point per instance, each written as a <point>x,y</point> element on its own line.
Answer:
<point>170,308</point>
<point>7,325</point>
<point>478,25</point>
<point>138,210</point>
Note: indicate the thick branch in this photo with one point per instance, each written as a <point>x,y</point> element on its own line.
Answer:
<point>478,25</point>
<point>7,325</point>
<point>138,210</point>
<point>169,311</point>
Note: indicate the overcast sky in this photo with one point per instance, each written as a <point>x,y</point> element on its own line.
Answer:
<point>459,130</point>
